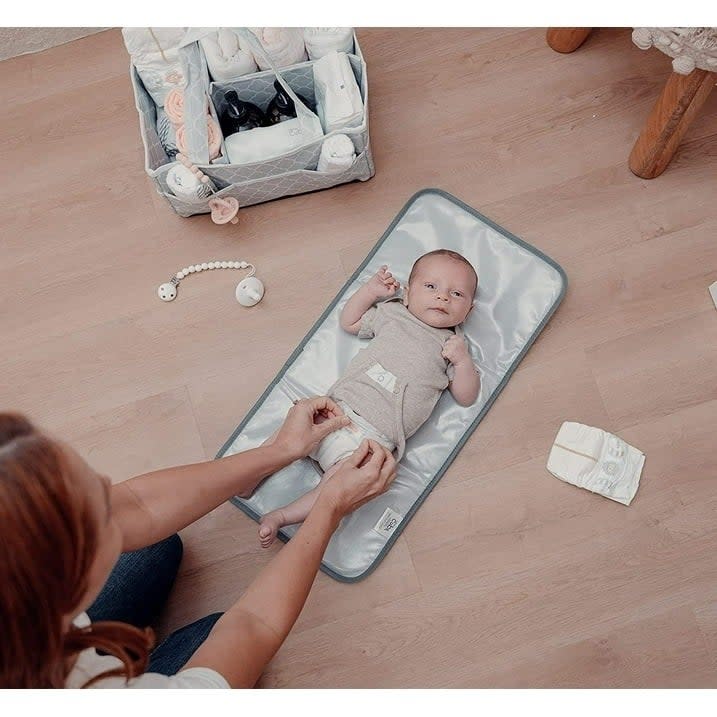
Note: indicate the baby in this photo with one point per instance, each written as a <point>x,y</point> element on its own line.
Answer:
<point>392,385</point>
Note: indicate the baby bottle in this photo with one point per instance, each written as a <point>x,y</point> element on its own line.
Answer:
<point>240,116</point>
<point>281,108</point>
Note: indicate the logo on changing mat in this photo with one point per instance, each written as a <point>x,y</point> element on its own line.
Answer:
<point>388,522</point>
<point>382,377</point>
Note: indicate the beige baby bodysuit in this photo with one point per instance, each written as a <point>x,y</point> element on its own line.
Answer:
<point>395,382</point>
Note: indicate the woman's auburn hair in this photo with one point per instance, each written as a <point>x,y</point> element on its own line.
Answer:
<point>48,541</point>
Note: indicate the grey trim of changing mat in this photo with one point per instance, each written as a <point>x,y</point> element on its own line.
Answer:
<point>468,432</point>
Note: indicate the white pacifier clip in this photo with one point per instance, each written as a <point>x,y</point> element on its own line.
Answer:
<point>249,291</point>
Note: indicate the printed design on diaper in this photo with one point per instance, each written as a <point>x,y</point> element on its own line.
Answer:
<point>382,377</point>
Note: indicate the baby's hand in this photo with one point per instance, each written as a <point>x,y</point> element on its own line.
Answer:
<point>456,350</point>
<point>382,284</point>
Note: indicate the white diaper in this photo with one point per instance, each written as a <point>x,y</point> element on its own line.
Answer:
<point>342,443</point>
<point>596,460</point>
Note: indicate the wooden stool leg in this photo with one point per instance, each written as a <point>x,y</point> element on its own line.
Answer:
<point>567,39</point>
<point>676,107</point>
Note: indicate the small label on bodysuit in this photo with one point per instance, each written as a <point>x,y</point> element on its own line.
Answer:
<point>382,377</point>
<point>388,522</point>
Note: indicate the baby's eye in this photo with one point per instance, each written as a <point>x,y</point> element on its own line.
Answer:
<point>428,285</point>
<point>457,294</point>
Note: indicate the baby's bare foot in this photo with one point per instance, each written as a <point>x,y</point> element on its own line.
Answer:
<point>269,526</point>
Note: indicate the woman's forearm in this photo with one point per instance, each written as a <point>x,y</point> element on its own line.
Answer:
<point>248,635</point>
<point>152,506</point>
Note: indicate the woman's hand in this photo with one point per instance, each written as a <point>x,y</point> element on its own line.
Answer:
<point>363,476</point>
<point>308,422</point>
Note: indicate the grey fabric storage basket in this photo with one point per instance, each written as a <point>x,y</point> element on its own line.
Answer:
<point>287,175</point>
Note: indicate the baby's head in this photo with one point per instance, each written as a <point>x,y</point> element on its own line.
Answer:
<point>441,288</point>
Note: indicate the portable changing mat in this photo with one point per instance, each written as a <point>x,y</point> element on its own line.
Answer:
<point>519,289</point>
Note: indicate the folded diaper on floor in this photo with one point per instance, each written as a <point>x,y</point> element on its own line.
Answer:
<point>321,40</point>
<point>285,45</point>
<point>337,154</point>
<point>338,97</point>
<point>226,57</point>
<point>599,461</point>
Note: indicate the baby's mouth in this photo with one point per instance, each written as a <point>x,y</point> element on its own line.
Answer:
<point>438,308</point>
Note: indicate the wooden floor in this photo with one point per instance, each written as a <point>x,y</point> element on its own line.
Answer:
<point>506,576</point>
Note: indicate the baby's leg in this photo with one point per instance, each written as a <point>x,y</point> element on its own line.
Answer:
<point>295,512</point>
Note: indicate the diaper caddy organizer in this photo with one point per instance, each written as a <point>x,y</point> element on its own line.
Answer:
<point>255,175</point>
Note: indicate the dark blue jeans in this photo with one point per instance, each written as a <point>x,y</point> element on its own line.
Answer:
<point>137,590</point>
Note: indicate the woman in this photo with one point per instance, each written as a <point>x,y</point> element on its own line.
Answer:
<point>64,612</point>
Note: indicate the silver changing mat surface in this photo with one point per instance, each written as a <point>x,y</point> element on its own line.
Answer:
<point>519,290</point>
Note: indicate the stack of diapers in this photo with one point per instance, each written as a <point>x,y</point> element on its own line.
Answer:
<point>338,98</point>
<point>320,41</point>
<point>285,45</point>
<point>155,54</point>
<point>596,460</point>
<point>183,183</point>
<point>337,154</point>
<point>226,57</point>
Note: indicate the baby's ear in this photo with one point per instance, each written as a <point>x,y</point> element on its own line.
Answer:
<point>404,298</point>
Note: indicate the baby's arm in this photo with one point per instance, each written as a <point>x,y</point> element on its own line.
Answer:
<point>465,385</point>
<point>381,285</point>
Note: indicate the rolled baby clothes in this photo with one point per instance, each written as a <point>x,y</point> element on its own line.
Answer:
<point>226,58</point>
<point>167,133</point>
<point>174,106</point>
<point>184,184</point>
<point>321,40</point>
<point>155,55</point>
<point>596,460</point>
<point>285,45</point>
<point>338,97</point>
<point>214,138</point>
<point>337,154</point>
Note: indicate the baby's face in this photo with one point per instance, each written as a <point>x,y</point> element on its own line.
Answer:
<point>441,292</point>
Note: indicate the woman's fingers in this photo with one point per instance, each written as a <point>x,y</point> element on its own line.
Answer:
<point>360,454</point>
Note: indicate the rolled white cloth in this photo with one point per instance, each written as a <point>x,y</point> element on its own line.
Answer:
<point>184,184</point>
<point>226,57</point>
<point>321,40</point>
<point>337,154</point>
<point>338,97</point>
<point>285,45</point>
